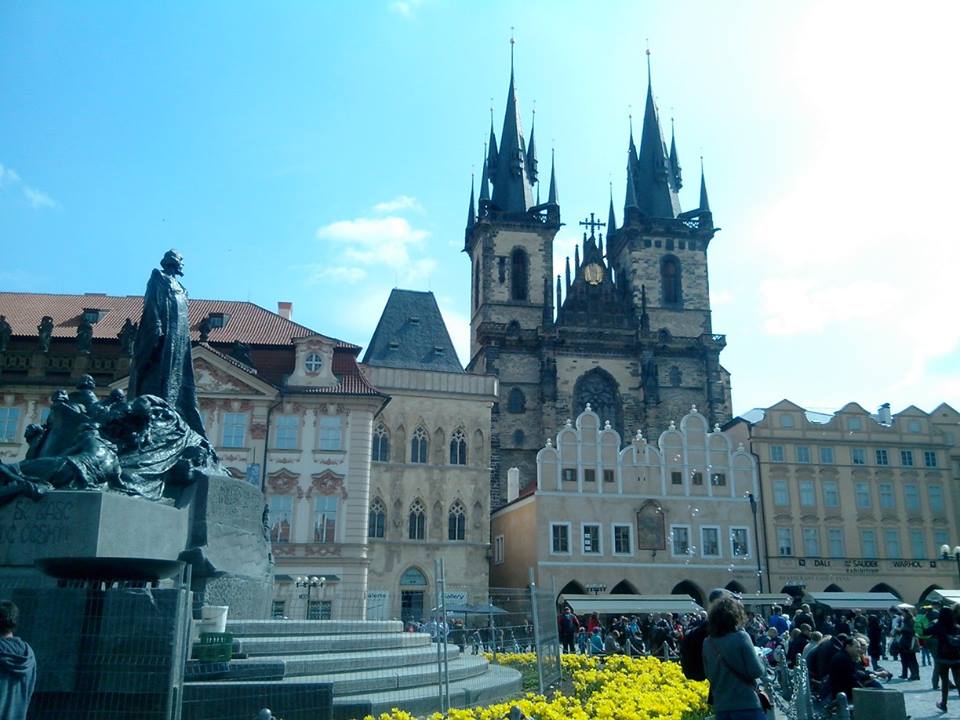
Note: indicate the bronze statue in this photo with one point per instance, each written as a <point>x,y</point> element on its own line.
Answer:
<point>84,337</point>
<point>44,333</point>
<point>162,363</point>
<point>5,332</point>
<point>127,336</point>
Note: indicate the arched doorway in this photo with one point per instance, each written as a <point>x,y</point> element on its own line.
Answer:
<point>883,587</point>
<point>571,588</point>
<point>925,593</point>
<point>624,587</point>
<point>413,588</point>
<point>734,586</point>
<point>833,587</point>
<point>688,588</point>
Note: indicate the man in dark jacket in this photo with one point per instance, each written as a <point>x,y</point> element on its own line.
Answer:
<point>18,667</point>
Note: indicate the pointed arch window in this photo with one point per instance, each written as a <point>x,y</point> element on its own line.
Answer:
<point>377,521</point>
<point>458,448</point>
<point>476,285</point>
<point>417,523</point>
<point>517,401</point>
<point>457,522</point>
<point>419,444</point>
<point>519,270</point>
<point>381,445</point>
<point>670,281</point>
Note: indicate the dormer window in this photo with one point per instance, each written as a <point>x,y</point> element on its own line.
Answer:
<point>414,319</point>
<point>394,344</point>
<point>313,363</point>
<point>217,320</point>
<point>92,315</point>
<point>437,350</point>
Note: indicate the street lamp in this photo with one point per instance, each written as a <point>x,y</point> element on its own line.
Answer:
<point>310,583</point>
<point>595,588</point>
<point>756,539</point>
<point>945,554</point>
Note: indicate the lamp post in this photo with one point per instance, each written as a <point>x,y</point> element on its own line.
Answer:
<point>310,583</point>
<point>756,540</point>
<point>595,588</point>
<point>945,553</point>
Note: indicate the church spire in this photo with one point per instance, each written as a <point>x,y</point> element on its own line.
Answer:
<point>484,173</point>
<point>532,174</point>
<point>611,218</point>
<point>655,196</point>
<point>674,160</point>
<point>471,209</point>
<point>704,200</point>
<point>631,198</point>
<point>552,198</point>
<point>512,189</point>
<point>492,154</point>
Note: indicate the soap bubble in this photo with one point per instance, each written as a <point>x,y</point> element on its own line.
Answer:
<point>694,511</point>
<point>730,568</point>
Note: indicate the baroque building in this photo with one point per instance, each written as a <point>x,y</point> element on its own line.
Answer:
<point>286,407</point>
<point>430,471</point>
<point>628,328</point>
<point>857,502</point>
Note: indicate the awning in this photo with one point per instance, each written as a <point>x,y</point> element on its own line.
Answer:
<point>947,596</point>
<point>630,604</point>
<point>852,600</point>
<point>757,599</point>
<point>290,578</point>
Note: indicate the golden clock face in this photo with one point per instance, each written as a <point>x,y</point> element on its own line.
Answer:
<point>593,274</point>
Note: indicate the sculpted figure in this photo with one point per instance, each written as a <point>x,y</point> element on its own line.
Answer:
<point>5,332</point>
<point>127,335</point>
<point>84,393</point>
<point>241,351</point>
<point>44,333</point>
<point>84,337</point>
<point>162,363</point>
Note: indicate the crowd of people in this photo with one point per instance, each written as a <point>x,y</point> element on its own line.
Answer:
<point>733,647</point>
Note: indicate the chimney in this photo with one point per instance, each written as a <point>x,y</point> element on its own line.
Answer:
<point>513,484</point>
<point>285,310</point>
<point>884,414</point>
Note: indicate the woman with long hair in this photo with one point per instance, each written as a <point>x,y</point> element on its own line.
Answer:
<point>731,664</point>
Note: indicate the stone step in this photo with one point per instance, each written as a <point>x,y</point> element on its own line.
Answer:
<point>497,684</point>
<point>386,679</point>
<point>305,644</point>
<point>292,666</point>
<point>279,628</point>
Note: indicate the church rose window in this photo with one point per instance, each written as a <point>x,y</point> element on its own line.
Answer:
<point>418,446</point>
<point>518,275</point>
<point>417,521</point>
<point>458,448</point>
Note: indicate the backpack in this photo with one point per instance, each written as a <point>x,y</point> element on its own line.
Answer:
<point>566,622</point>
<point>691,653</point>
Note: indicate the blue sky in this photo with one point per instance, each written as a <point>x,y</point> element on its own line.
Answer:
<point>321,153</point>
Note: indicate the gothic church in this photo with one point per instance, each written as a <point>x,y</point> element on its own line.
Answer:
<point>627,330</point>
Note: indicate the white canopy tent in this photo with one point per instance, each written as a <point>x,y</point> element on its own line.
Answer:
<point>852,600</point>
<point>758,599</point>
<point>630,604</point>
<point>948,596</point>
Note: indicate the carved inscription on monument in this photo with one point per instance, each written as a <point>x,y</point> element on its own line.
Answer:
<point>40,524</point>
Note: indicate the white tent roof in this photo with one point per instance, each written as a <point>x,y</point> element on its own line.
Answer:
<point>851,600</point>
<point>766,599</point>
<point>948,596</point>
<point>630,604</point>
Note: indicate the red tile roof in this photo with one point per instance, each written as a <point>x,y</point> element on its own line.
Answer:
<point>247,322</point>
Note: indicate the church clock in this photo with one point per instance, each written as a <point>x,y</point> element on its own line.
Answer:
<point>593,273</point>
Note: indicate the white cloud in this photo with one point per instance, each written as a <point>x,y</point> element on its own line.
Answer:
<point>321,273</point>
<point>10,178</point>
<point>405,8</point>
<point>388,241</point>
<point>401,202</point>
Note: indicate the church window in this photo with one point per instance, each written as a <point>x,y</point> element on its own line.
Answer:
<point>330,433</point>
<point>599,389</point>
<point>676,378</point>
<point>417,521</point>
<point>458,448</point>
<point>476,284</point>
<point>670,281</point>
<point>285,436</point>
<point>9,421</point>
<point>456,522</point>
<point>314,363</point>
<point>518,274</point>
<point>518,437</point>
<point>418,446</point>
<point>517,401</point>
<point>325,519</point>
<point>281,511</point>
<point>377,520</point>
<point>502,269</point>
<point>234,429</point>
<point>381,445</point>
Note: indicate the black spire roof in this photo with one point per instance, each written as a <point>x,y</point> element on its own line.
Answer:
<point>512,175</point>
<point>704,200</point>
<point>675,174</point>
<point>411,334</point>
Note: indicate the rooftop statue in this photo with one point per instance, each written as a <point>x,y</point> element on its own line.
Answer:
<point>162,363</point>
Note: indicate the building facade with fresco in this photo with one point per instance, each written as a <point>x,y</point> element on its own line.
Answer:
<point>287,409</point>
<point>855,501</point>
<point>660,516</point>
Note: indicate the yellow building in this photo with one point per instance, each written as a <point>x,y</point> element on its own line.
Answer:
<point>854,501</point>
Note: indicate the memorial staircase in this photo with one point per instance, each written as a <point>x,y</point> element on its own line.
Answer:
<point>370,667</point>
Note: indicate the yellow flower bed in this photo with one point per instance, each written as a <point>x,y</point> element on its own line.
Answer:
<point>623,689</point>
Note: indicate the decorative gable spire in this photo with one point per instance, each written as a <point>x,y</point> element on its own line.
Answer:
<point>484,185</point>
<point>674,160</point>
<point>492,153</point>
<point>471,209</point>
<point>704,200</point>
<point>611,218</point>
<point>532,174</point>
<point>552,198</point>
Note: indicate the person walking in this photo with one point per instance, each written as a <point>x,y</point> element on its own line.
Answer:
<point>731,664</point>
<point>18,667</point>
<point>946,632</point>
<point>908,646</point>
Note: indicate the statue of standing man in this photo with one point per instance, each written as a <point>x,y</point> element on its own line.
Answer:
<point>162,364</point>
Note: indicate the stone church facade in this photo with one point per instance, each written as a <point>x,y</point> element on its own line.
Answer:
<point>628,329</point>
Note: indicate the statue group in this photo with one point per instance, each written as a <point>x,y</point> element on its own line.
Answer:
<point>149,444</point>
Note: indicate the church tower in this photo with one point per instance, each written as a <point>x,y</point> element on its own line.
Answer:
<point>509,240</point>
